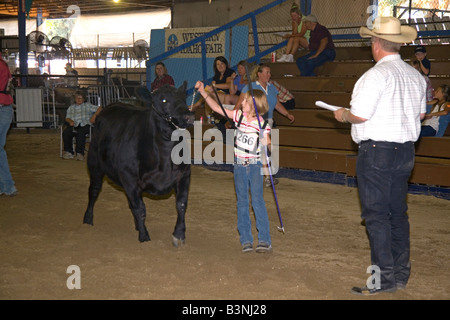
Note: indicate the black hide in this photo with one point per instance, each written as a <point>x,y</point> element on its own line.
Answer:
<point>132,146</point>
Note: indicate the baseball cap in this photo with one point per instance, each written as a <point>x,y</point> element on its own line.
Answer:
<point>420,49</point>
<point>310,18</point>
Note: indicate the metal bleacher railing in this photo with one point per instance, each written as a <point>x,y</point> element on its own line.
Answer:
<point>431,30</point>
<point>435,30</point>
<point>262,41</point>
<point>202,40</point>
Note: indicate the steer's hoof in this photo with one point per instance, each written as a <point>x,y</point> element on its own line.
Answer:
<point>88,219</point>
<point>143,237</point>
<point>177,242</point>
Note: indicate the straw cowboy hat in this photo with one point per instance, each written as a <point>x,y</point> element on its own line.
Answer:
<point>389,28</point>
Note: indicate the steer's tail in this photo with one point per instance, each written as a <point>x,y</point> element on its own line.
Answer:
<point>96,182</point>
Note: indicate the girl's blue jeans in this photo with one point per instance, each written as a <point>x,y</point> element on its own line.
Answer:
<point>250,178</point>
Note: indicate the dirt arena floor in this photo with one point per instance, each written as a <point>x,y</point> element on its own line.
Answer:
<point>323,253</point>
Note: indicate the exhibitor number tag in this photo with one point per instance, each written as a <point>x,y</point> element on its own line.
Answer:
<point>247,141</point>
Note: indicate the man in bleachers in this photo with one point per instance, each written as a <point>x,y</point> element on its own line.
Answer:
<point>321,47</point>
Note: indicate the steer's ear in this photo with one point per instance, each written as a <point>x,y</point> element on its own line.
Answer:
<point>143,94</point>
<point>183,87</point>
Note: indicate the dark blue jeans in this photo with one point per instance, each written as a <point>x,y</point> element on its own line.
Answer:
<point>80,136</point>
<point>307,66</point>
<point>427,131</point>
<point>383,170</point>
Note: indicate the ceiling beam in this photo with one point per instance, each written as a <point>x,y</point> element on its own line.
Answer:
<point>58,8</point>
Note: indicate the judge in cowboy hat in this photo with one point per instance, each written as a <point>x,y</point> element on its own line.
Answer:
<point>390,29</point>
<point>387,104</point>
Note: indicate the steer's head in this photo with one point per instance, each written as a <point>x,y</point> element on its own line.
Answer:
<point>169,104</point>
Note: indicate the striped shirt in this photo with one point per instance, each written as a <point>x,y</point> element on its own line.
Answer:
<point>283,93</point>
<point>81,113</point>
<point>391,95</point>
<point>246,137</point>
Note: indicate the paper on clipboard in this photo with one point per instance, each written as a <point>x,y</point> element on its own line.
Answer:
<point>327,106</point>
<point>281,34</point>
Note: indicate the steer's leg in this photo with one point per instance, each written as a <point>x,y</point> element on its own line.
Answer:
<point>182,192</point>
<point>137,207</point>
<point>96,182</point>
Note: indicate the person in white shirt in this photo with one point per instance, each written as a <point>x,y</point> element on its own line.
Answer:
<point>387,105</point>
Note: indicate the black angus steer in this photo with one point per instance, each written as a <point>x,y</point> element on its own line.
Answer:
<point>132,146</point>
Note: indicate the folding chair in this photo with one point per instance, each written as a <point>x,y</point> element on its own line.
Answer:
<point>61,142</point>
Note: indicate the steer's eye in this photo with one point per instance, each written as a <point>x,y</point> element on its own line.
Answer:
<point>164,100</point>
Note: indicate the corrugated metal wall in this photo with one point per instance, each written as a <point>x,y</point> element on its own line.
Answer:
<point>28,107</point>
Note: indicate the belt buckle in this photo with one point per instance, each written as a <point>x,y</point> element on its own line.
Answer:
<point>243,163</point>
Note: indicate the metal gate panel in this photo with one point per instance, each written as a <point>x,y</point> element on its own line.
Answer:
<point>103,95</point>
<point>28,107</point>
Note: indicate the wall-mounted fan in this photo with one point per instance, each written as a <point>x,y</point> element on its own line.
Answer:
<point>61,48</point>
<point>37,42</point>
<point>140,49</point>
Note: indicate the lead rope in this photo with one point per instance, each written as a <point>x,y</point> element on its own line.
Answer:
<point>193,99</point>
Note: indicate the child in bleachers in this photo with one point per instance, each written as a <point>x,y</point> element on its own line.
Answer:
<point>432,126</point>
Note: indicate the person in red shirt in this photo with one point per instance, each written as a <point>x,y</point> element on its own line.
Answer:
<point>161,77</point>
<point>321,47</point>
<point>7,185</point>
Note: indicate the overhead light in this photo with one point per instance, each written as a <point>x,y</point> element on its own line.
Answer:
<point>116,1</point>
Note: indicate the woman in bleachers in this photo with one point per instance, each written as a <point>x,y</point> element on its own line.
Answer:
<point>238,81</point>
<point>299,37</point>
<point>221,81</point>
<point>162,77</point>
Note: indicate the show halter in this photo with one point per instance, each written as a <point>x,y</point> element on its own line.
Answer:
<point>168,118</point>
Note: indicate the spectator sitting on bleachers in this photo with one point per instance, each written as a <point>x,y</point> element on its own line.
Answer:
<point>424,64</point>
<point>321,47</point>
<point>431,126</point>
<point>220,82</point>
<point>239,81</point>
<point>299,39</point>
<point>162,77</point>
